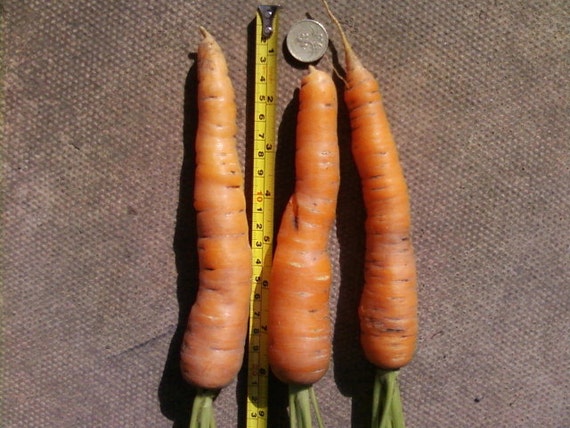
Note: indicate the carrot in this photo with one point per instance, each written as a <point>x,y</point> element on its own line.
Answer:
<point>299,326</point>
<point>213,345</point>
<point>388,305</point>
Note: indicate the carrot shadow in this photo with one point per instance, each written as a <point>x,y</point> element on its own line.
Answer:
<point>352,372</point>
<point>241,387</point>
<point>174,393</point>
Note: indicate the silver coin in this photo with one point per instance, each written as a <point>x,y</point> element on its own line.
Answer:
<point>307,40</point>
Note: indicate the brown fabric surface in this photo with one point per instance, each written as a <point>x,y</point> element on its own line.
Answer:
<point>98,255</point>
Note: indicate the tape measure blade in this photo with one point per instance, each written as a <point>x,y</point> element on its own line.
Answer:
<point>263,181</point>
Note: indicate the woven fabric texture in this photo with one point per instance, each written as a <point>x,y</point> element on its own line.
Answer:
<point>98,243</point>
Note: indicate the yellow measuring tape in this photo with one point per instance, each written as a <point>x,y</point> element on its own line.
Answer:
<point>263,184</point>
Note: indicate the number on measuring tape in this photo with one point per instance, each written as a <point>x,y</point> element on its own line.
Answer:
<point>263,171</point>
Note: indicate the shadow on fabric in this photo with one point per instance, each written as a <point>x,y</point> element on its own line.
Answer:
<point>175,394</point>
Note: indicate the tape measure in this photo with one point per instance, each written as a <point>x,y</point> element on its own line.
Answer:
<point>262,213</point>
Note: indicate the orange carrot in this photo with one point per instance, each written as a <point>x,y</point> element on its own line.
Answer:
<point>213,345</point>
<point>388,305</point>
<point>299,326</point>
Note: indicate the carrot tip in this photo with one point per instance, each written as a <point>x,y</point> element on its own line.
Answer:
<point>204,32</point>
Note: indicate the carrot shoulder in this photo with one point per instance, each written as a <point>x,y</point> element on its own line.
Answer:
<point>213,345</point>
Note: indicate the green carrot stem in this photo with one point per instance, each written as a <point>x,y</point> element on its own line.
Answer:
<point>205,414</point>
<point>195,411</point>
<point>203,409</point>
<point>299,418</point>
<point>305,407</point>
<point>292,410</point>
<point>387,379</point>
<point>302,404</point>
<point>387,409</point>
<point>397,411</point>
<point>316,408</point>
<point>376,399</point>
